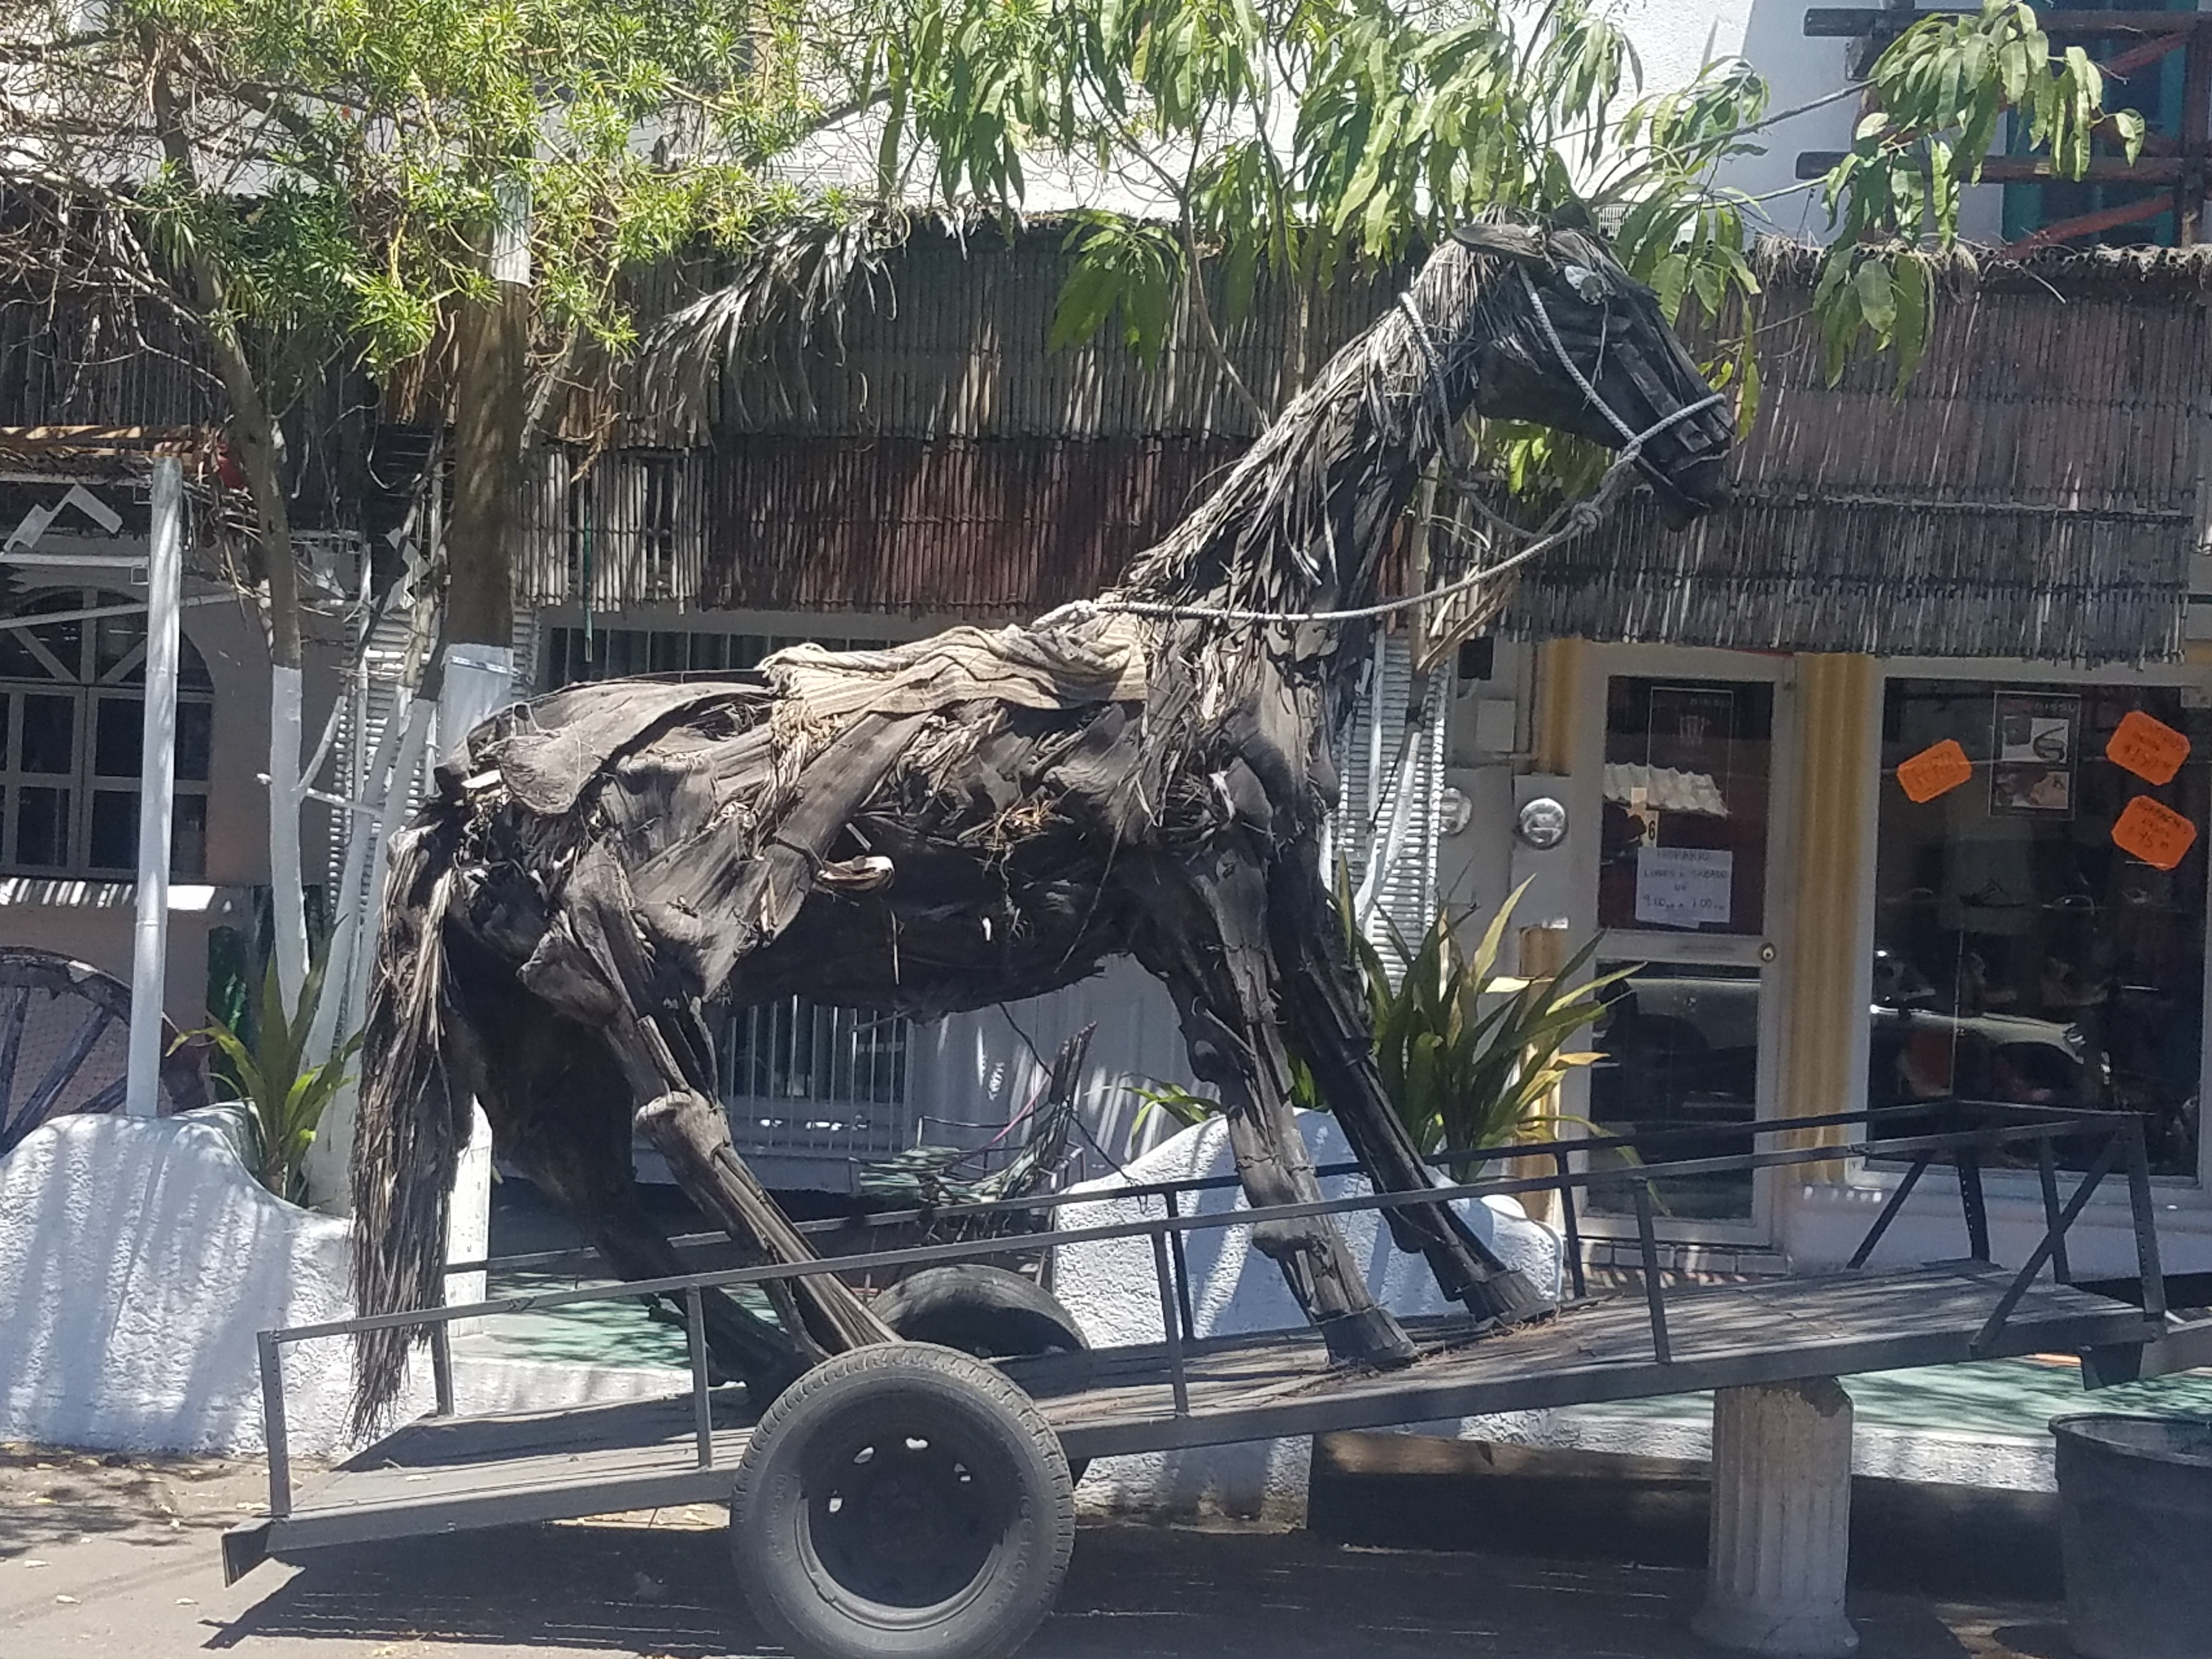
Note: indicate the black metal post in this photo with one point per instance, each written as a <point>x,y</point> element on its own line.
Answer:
<point>1898,1194</point>
<point>272,1425</point>
<point>2146,1221</point>
<point>441,1366</point>
<point>702,1408</point>
<point>1569,1225</point>
<point>2046,1164</point>
<point>1654,1295</point>
<point>1178,1383</point>
<point>1968,1163</point>
<point>1182,1271</point>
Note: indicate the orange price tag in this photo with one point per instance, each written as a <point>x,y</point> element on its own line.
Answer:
<point>1935,770</point>
<point>2154,832</point>
<point>2150,748</point>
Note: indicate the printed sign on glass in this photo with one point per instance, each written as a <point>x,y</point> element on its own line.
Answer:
<point>1684,886</point>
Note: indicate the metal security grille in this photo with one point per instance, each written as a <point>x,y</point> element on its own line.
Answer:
<point>797,1077</point>
<point>72,714</point>
<point>1371,776</point>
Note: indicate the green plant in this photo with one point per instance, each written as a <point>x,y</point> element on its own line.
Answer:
<point>263,1057</point>
<point>1469,1056</point>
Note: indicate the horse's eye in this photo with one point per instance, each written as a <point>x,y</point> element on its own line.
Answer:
<point>1587,285</point>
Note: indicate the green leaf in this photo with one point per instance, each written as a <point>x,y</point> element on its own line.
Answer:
<point>1911,290</point>
<point>1877,296</point>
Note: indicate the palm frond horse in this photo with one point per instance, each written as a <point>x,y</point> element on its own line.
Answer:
<point>971,819</point>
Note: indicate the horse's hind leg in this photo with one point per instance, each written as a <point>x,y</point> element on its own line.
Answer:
<point>1334,1040</point>
<point>1205,937</point>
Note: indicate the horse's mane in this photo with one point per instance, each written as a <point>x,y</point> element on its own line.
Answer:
<point>1304,515</point>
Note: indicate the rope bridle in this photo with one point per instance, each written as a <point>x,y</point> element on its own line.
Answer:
<point>1577,520</point>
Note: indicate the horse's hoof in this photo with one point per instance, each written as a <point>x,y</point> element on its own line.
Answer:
<point>1368,1337</point>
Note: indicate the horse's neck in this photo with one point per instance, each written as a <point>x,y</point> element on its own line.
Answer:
<point>1303,519</point>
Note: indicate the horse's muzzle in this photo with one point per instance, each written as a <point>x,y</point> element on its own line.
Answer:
<point>1688,493</point>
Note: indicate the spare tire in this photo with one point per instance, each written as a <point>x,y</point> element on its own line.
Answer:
<point>983,1311</point>
<point>986,1311</point>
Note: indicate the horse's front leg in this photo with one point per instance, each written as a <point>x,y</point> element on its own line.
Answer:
<point>1322,998</point>
<point>1204,936</point>
<point>665,1055</point>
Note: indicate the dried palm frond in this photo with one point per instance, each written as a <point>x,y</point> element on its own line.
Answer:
<point>787,293</point>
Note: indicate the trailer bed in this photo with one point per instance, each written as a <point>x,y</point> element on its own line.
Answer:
<point>447,1474</point>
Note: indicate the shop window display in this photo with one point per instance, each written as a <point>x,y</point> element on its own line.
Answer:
<point>2039,906</point>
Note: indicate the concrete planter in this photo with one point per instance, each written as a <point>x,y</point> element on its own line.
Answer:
<point>2135,1497</point>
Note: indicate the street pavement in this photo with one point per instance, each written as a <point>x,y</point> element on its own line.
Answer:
<point>117,1559</point>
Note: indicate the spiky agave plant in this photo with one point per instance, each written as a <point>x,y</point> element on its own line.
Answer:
<point>1469,1056</point>
<point>263,1059</point>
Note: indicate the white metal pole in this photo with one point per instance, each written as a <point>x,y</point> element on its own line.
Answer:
<point>157,778</point>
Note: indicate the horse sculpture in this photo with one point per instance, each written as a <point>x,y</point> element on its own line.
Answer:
<point>973,818</point>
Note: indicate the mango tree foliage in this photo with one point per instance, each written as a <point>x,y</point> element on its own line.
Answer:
<point>1281,140</point>
<point>339,164</point>
<point>304,184</point>
<point>1940,94</point>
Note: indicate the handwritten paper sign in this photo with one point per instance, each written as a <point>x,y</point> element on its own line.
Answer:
<point>2149,748</point>
<point>1684,886</point>
<point>1935,770</point>
<point>2154,832</point>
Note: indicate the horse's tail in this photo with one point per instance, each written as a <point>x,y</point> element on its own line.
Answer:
<point>414,1112</point>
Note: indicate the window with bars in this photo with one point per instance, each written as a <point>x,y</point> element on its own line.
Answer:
<point>72,709</point>
<point>797,1077</point>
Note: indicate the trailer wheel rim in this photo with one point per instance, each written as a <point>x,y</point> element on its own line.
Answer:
<point>907,1514</point>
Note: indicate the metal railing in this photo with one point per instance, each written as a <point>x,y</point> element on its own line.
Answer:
<point>2116,1138</point>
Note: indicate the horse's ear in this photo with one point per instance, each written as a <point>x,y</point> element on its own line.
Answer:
<point>1574,214</point>
<point>1514,241</point>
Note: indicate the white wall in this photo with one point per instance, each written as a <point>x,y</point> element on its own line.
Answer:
<point>137,1259</point>
<point>1673,37</point>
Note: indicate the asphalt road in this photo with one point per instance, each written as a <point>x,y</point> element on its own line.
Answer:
<point>118,1561</point>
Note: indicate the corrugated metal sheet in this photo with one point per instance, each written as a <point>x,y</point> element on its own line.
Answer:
<point>2032,491</point>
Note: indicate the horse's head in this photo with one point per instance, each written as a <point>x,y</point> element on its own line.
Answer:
<point>1572,341</point>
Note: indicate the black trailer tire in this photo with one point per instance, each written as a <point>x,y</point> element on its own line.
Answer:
<point>901,1501</point>
<point>983,1311</point>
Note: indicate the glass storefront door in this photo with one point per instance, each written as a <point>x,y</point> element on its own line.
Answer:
<point>1682,902</point>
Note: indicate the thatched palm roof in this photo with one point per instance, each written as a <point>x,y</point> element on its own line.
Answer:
<point>2034,491</point>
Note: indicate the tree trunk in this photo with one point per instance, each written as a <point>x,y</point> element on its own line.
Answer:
<point>490,407</point>
<point>258,446</point>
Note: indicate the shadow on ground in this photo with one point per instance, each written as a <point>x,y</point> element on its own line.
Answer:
<point>47,1497</point>
<point>1134,1594</point>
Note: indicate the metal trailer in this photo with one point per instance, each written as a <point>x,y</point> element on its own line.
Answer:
<point>915,1499</point>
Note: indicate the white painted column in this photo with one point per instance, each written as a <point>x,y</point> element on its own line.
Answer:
<point>157,776</point>
<point>479,681</point>
<point>1780,1538</point>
